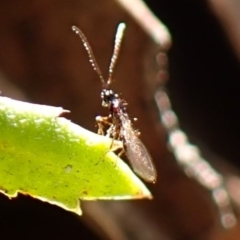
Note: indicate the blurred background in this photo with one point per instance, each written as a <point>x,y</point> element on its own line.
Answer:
<point>42,61</point>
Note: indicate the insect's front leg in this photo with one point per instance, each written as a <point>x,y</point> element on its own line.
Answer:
<point>101,123</point>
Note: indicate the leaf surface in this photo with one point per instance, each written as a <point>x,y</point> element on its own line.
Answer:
<point>52,159</point>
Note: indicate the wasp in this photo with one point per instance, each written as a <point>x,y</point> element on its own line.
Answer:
<point>118,121</point>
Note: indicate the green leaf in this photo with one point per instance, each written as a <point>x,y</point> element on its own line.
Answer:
<point>55,160</point>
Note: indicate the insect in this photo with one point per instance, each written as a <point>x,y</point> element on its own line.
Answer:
<point>118,121</point>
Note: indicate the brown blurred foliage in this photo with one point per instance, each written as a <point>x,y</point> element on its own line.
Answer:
<point>42,61</point>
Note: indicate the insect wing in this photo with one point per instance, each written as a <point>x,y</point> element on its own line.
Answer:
<point>136,152</point>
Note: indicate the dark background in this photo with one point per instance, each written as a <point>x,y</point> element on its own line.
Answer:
<point>203,87</point>
<point>204,75</point>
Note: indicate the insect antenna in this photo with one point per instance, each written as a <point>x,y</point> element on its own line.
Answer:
<point>90,53</point>
<point>117,46</point>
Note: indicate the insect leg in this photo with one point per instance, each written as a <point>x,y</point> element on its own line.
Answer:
<point>112,132</point>
<point>121,152</point>
<point>101,123</point>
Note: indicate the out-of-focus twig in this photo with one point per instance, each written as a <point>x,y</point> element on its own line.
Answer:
<point>148,21</point>
<point>227,11</point>
<point>194,165</point>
